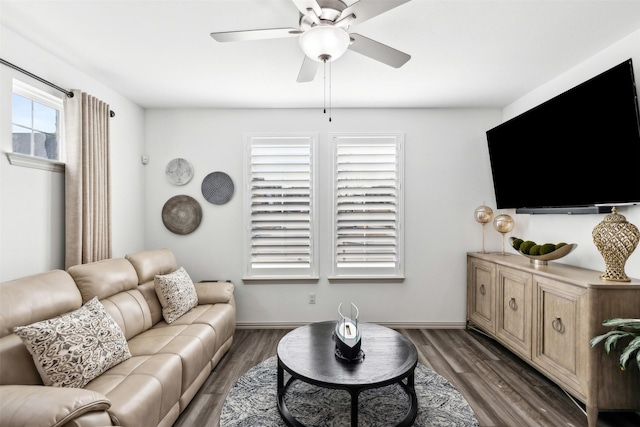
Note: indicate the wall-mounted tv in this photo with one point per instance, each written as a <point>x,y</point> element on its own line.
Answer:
<point>578,152</point>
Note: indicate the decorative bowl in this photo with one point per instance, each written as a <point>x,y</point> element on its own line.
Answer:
<point>551,256</point>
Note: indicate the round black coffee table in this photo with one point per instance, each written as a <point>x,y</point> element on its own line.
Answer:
<point>307,353</point>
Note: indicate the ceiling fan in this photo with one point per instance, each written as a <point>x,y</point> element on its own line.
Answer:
<point>323,33</point>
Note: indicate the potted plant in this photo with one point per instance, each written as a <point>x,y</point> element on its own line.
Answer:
<point>622,329</point>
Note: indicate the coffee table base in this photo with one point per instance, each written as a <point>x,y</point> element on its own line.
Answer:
<point>354,391</point>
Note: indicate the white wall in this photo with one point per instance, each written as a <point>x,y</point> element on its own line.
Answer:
<point>447,176</point>
<point>578,228</point>
<point>31,200</point>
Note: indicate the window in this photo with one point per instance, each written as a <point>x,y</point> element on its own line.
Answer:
<point>37,119</point>
<point>368,202</point>
<point>279,207</point>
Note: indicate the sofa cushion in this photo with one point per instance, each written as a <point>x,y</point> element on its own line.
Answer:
<point>150,263</point>
<point>24,301</point>
<point>55,406</point>
<point>194,344</point>
<point>143,390</point>
<point>36,297</point>
<point>177,294</point>
<point>105,278</point>
<point>219,317</point>
<point>72,349</point>
<point>148,290</point>
<point>214,292</point>
<point>130,311</point>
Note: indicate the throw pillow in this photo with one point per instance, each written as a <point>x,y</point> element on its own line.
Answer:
<point>176,293</point>
<point>72,349</point>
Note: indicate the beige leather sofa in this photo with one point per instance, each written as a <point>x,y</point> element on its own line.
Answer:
<point>168,363</point>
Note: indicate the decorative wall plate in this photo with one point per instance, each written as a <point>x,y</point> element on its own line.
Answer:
<point>181,214</point>
<point>179,171</point>
<point>217,188</point>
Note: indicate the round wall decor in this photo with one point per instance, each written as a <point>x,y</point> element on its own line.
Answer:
<point>217,188</point>
<point>179,171</point>
<point>181,214</point>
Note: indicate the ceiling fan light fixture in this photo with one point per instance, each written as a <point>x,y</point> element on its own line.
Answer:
<point>324,43</point>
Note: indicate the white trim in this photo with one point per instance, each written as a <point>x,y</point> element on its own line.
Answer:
<point>269,325</point>
<point>424,325</point>
<point>280,279</point>
<point>363,278</point>
<point>17,159</point>
<point>372,271</point>
<point>38,95</point>
<point>289,269</point>
<point>392,325</point>
<point>35,94</point>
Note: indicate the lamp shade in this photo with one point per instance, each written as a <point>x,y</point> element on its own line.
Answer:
<point>324,43</point>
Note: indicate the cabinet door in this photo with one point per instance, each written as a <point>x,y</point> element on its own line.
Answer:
<point>481,293</point>
<point>513,318</point>
<point>558,333</point>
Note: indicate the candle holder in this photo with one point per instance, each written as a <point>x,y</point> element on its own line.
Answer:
<point>483,214</point>
<point>503,224</point>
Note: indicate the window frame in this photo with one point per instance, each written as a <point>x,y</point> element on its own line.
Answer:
<point>37,95</point>
<point>272,273</point>
<point>368,272</point>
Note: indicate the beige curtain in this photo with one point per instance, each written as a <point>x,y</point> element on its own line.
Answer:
<point>87,186</point>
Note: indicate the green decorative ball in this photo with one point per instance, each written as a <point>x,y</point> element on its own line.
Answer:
<point>535,250</point>
<point>516,243</point>
<point>526,246</point>
<point>561,244</point>
<point>547,248</point>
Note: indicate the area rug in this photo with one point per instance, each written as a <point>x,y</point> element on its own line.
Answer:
<point>251,402</point>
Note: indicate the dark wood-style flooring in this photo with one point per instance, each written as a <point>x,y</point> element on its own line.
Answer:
<point>501,389</point>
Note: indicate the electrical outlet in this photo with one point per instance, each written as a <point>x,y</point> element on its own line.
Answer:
<point>312,298</point>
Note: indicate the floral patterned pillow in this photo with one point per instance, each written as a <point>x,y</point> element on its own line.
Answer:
<point>177,294</point>
<point>72,349</point>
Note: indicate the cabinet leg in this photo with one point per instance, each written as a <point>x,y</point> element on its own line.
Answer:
<point>592,416</point>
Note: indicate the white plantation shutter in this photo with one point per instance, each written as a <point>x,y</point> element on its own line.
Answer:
<point>281,234</point>
<point>368,206</point>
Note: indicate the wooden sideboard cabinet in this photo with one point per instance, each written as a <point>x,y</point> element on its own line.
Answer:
<point>546,315</point>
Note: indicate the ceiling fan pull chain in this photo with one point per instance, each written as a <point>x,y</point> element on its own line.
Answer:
<point>324,86</point>
<point>329,91</point>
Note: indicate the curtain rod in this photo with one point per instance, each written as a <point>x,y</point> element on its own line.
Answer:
<point>40,79</point>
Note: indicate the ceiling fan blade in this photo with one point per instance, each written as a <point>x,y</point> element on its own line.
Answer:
<point>378,51</point>
<point>367,9</point>
<point>308,70</point>
<point>304,5</point>
<point>271,33</point>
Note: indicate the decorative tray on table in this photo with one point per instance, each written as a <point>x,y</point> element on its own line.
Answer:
<point>541,253</point>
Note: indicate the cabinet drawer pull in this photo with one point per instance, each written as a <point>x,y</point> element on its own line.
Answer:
<point>557,325</point>
<point>482,291</point>
<point>513,305</point>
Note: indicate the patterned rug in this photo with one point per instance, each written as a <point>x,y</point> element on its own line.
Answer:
<point>251,402</point>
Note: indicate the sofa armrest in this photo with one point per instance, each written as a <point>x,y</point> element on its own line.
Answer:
<point>37,405</point>
<point>214,292</point>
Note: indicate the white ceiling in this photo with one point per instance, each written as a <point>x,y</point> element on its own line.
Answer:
<point>476,53</point>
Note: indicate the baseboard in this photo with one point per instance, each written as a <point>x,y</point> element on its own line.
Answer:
<point>424,325</point>
<point>392,325</point>
<point>269,325</point>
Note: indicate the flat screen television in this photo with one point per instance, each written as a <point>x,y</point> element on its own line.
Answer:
<point>578,152</point>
